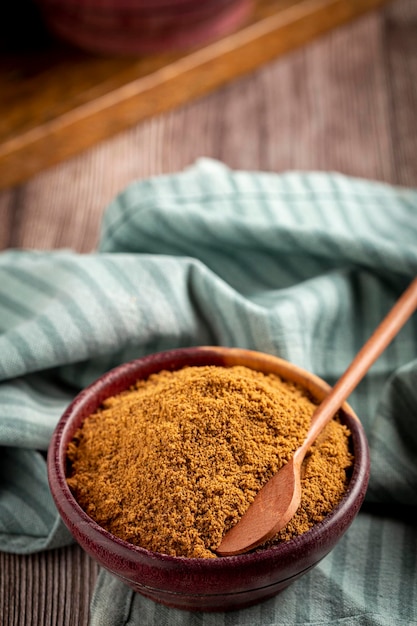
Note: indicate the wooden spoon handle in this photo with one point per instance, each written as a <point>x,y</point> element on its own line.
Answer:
<point>372,349</point>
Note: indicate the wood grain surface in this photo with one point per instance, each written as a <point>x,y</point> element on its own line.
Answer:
<point>62,101</point>
<point>347,102</point>
<point>46,589</point>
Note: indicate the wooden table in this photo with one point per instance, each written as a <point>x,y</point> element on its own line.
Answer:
<point>57,101</point>
<point>346,101</point>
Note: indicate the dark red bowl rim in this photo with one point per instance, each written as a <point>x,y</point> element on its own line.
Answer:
<point>115,6</point>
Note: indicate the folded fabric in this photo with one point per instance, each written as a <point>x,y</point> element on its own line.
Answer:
<point>301,265</point>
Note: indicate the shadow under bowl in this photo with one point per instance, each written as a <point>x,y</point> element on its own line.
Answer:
<point>194,583</point>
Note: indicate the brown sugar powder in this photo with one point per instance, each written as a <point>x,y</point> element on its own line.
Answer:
<point>174,462</point>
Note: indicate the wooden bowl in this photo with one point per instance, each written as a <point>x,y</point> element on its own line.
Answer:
<point>203,584</point>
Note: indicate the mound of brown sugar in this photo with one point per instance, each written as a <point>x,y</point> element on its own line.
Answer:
<point>173,463</point>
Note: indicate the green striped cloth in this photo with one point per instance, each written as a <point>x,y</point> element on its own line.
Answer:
<point>301,265</point>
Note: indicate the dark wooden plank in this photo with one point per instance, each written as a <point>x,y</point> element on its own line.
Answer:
<point>401,72</point>
<point>46,588</point>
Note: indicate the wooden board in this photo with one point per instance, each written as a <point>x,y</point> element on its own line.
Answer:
<point>57,101</point>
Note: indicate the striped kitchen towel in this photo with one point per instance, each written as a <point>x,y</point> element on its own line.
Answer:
<point>301,265</point>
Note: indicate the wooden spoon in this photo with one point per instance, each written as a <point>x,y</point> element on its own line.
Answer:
<point>276,503</point>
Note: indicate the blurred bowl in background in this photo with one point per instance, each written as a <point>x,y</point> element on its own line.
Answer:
<point>195,583</point>
<point>142,26</point>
